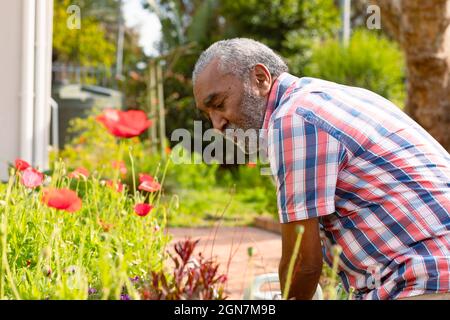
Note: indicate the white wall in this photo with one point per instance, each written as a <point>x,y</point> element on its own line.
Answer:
<point>42,86</point>
<point>10,71</point>
<point>25,81</point>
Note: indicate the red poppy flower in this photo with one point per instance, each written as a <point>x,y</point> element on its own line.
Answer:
<point>124,124</point>
<point>31,178</point>
<point>119,165</point>
<point>61,199</point>
<point>149,186</point>
<point>21,164</point>
<point>142,209</point>
<point>78,172</point>
<point>115,186</point>
<point>145,177</point>
<point>251,164</point>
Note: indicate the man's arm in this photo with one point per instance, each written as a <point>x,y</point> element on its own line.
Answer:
<point>308,264</point>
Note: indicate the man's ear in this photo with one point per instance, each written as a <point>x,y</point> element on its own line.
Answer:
<point>261,79</point>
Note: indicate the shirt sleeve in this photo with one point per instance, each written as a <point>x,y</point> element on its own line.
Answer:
<point>305,162</point>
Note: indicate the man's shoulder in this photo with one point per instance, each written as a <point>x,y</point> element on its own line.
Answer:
<point>344,112</point>
<point>310,97</point>
<point>301,93</point>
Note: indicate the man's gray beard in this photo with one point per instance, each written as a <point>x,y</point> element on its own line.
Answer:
<point>253,110</point>
<point>252,117</point>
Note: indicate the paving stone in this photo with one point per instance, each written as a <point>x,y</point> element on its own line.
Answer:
<point>225,241</point>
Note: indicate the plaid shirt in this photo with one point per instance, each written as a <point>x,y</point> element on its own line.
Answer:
<point>379,183</point>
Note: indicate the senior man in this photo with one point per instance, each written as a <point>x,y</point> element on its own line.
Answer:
<point>346,161</point>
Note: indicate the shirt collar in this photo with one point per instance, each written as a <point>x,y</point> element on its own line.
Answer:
<point>279,88</point>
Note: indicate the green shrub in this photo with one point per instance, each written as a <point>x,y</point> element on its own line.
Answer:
<point>257,189</point>
<point>370,61</point>
<point>194,175</point>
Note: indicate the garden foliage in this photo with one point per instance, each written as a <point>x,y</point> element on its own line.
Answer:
<point>370,61</point>
<point>78,233</point>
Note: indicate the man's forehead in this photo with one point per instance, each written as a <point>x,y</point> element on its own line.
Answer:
<point>209,75</point>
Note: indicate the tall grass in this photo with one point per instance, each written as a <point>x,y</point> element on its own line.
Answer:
<point>50,254</point>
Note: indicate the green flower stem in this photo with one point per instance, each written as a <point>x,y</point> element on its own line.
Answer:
<point>132,172</point>
<point>162,182</point>
<point>294,256</point>
<point>337,250</point>
<point>120,158</point>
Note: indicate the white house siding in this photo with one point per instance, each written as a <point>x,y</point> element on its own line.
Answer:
<point>23,133</point>
<point>10,53</point>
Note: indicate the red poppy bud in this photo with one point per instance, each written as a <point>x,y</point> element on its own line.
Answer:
<point>21,164</point>
<point>142,209</point>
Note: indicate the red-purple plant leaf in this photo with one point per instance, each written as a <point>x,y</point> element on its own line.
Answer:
<point>192,278</point>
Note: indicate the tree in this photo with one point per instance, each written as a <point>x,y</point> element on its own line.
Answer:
<point>289,27</point>
<point>190,26</point>
<point>422,29</point>
<point>86,46</point>
<point>94,45</point>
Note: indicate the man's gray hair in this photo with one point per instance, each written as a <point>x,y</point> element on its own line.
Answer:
<point>238,56</point>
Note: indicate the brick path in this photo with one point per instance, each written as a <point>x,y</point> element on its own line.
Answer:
<point>236,240</point>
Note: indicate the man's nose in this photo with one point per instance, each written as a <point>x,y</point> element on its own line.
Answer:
<point>218,121</point>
